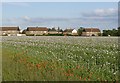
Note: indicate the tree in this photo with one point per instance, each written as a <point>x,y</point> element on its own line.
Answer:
<point>80,30</point>
<point>99,34</point>
<point>58,29</point>
<point>49,29</point>
<point>53,29</point>
<point>105,33</point>
<point>118,33</point>
<point>61,30</point>
<point>112,32</point>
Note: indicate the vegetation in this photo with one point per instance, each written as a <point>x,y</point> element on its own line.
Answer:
<point>60,58</point>
<point>112,32</point>
<point>80,30</point>
<point>29,34</point>
<point>54,35</point>
<point>118,31</point>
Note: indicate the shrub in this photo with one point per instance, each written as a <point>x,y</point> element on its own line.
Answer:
<point>55,35</point>
<point>29,34</point>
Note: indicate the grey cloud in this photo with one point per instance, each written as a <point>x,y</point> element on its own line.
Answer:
<point>111,12</point>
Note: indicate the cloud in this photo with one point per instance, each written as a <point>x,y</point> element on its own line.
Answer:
<point>22,4</point>
<point>62,22</point>
<point>26,18</point>
<point>110,12</point>
<point>38,20</point>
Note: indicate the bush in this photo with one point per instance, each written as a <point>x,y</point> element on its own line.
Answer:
<point>55,35</point>
<point>5,35</point>
<point>39,35</point>
<point>29,34</point>
<point>99,34</point>
<point>69,34</point>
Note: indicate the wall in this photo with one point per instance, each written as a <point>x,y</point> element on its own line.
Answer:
<point>90,33</point>
<point>37,32</point>
<point>9,32</point>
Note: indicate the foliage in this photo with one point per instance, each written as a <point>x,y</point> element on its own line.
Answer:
<point>80,30</point>
<point>118,31</point>
<point>112,32</point>
<point>69,35</point>
<point>54,35</point>
<point>29,34</point>
<point>99,34</point>
<point>60,58</point>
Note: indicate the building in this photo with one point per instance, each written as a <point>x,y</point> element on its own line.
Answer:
<point>91,32</point>
<point>74,32</point>
<point>36,31</point>
<point>9,31</point>
<point>70,32</point>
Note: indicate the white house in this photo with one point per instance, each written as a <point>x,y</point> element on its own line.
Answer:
<point>70,32</point>
<point>74,32</point>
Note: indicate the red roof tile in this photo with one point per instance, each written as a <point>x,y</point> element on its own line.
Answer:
<point>9,28</point>
<point>92,30</point>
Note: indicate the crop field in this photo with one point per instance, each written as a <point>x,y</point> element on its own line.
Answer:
<point>48,58</point>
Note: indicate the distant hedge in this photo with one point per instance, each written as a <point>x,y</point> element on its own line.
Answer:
<point>29,34</point>
<point>54,35</point>
<point>45,35</point>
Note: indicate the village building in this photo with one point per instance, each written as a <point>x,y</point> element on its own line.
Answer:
<point>9,31</point>
<point>91,32</point>
<point>74,32</point>
<point>70,32</point>
<point>36,31</point>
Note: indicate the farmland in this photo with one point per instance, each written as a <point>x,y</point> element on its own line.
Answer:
<point>47,58</point>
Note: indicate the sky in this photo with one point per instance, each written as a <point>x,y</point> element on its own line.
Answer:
<point>102,15</point>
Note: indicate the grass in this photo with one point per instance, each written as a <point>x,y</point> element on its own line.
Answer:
<point>59,59</point>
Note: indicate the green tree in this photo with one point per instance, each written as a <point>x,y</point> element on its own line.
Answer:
<point>58,29</point>
<point>53,29</point>
<point>49,29</point>
<point>104,33</point>
<point>80,30</point>
<point>118,33</point>
<point>112,32</point>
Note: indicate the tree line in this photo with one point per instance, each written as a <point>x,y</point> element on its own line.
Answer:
<point>113,32</point>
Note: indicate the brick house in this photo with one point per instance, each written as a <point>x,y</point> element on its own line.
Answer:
<point>36,31</point>
<point>91,32</point>
<point>9,31</point>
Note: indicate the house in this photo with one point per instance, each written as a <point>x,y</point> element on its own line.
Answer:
<point>70,32</point>
<point>9,31</point>
<point>74,32</point>
<point>36,31</point>
<point>91,32</point>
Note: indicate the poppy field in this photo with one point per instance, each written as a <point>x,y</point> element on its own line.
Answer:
<point>54,58</point>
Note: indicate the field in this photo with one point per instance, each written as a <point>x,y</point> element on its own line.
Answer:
<point>63,58</point>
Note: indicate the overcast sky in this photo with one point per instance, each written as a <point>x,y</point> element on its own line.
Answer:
<point>63,14</point>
